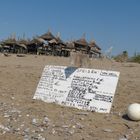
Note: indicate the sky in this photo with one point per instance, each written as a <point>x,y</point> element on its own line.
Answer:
<point>111,23</point>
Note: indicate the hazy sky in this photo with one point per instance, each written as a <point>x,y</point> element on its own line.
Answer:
<point>113,23</point>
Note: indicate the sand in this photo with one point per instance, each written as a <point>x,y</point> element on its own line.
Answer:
<point>22,118</point>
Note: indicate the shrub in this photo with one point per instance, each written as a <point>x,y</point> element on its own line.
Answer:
<point>136,58</point>
<point>123,57</point>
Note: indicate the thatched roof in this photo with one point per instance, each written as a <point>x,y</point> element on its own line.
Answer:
<point>60,41</point>
<point>70,45</point>
<point>53,41</point>
<point>47,36</point>
<point>22,45</point>
<point>23,41</point>
<point>41,40</point>
<point>9,41</point>
<point>57,41</point>
<point>35,41</point>
<point>81,42</point>
<point>13,42</point>
<point>92,44</point>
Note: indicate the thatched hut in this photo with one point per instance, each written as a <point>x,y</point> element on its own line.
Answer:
<point>49,43</point>
<point>57,47</point>
<point>9,45</point>
<point>34,44</point>
<point>22,43</point>
<point>61,47</point>
<point>81,45</point>
<point>95,50</point>
<point>70,46</point>
<point>54,47</point>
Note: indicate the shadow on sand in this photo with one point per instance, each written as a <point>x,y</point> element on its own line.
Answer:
<point>125,117</point>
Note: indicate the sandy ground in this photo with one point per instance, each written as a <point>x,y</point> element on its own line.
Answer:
<point>22,118</point>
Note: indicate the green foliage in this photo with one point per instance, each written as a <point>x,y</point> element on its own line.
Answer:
<point>136,58</point>
<point>125,53</point>
<point>123,57</point>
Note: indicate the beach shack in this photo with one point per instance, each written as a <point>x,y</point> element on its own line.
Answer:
<point>95,50</point>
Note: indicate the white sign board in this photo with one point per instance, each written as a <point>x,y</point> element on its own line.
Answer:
<point>87,89</point>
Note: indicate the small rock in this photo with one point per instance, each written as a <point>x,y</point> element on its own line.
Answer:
<point>34,137</point>
<point>41,129</point>
<point>123,139</point>
<point>22,125</point>
<point>12,98</point>
<point>107,130</point>
<point>40,137</point>
<point>27,130</point>
<point>73,126</point>
<point>80,126</point>
<point>117,113</point>
<point>81,119</point>
<point>26,137</point>
<point>127,136</point>
<point>65,126</point>
<point>33,131</point>
<point>71,131</point>
<point>53,131</point>
<point>7,116</point>
<point>46,120</point>
<point>15,111</point>
<point>16,130</point>
<point>34,121</point>
<point>4,128</point>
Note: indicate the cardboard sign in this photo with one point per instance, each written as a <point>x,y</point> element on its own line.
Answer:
<point>87,89</point>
